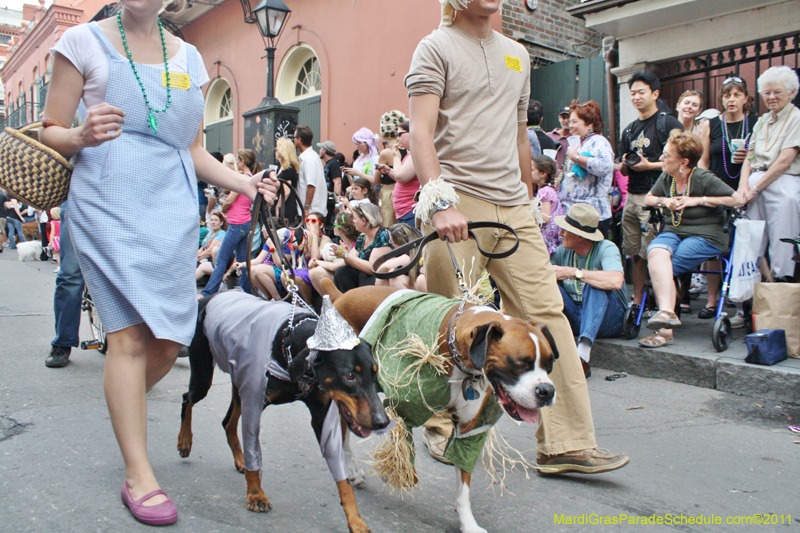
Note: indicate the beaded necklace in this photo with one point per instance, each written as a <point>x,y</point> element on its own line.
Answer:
<point>153,122</point>
<point>578,283</point>
<point>726,141</point>
<point>673,194</point>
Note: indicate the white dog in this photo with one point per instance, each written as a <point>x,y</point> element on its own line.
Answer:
<point>29,250</point>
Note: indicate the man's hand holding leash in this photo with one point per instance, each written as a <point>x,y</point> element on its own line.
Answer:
<point>451,224</point>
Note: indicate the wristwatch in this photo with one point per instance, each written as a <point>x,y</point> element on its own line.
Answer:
<point>441,205</point>
<point>307,207</point>
<point>578,274</point>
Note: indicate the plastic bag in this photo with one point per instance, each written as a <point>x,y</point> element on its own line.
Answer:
<point>747,242</point>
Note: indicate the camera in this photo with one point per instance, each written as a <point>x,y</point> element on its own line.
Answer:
<point>633,158</point>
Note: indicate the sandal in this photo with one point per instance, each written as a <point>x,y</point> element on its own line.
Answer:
<point>656,340</point>
<point>664,319</point>
<point>686,308</point>
<point>707,312</point>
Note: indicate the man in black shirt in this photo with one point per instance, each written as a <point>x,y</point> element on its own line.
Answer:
<point>535,118</point>
<point>332,170</point>
<point>641,146</point>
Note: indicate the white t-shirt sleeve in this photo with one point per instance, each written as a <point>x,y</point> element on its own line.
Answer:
<point>81,48</point>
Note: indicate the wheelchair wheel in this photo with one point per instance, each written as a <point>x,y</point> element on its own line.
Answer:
<point>721,335</point>
<point>98,333</point>
<point>630,329</point>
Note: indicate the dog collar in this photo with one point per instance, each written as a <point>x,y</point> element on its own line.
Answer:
<point>458,358</point>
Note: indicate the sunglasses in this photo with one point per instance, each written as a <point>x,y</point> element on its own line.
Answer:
<point>312,221</point>
<point>737,79</point>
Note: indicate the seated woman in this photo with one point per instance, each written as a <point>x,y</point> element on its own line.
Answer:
<point>371,244</point>
<point>269,272</point>
<point>693,229</point>
<point>206,255</point>
<point>769,184</point>
<point>400,234</point>
<point>345,230</point>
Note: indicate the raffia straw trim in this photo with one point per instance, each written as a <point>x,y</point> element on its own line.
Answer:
<point>536,211</point>
<point>391,459</point>
<point>500,459</point>
<point>475,296</point>
<point>425,354</point>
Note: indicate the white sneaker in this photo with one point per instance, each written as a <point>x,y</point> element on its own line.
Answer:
<point>699,286</point>
<point>56,270</point>
<point>737,322</point>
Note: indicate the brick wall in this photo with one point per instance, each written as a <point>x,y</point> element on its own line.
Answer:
<point>549,33</point>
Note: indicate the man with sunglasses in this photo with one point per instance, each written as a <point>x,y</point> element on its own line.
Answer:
<point>456,104</point>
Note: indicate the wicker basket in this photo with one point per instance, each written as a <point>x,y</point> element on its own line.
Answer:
<point>32,172</point>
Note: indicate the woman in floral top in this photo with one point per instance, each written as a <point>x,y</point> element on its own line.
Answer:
<point>589,168</point>
<point>374,242</point>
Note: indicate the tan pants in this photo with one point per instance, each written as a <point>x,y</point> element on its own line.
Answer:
<point>387,207</point>
<point>529,291</point>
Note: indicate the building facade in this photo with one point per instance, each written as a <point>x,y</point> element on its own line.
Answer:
<point>341,62</point>
<point>695,44</point>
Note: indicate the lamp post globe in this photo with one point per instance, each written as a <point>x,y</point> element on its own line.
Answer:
<point>270,15</point>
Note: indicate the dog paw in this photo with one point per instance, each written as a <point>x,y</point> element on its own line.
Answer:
<point>258,503</point>
<point>355,475</point>
<point>184,445</point>
<point>358,526</point>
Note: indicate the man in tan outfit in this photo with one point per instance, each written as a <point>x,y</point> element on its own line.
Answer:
<point>468,92</point>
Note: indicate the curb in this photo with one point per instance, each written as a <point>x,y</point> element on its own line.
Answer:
<point>726,372</point>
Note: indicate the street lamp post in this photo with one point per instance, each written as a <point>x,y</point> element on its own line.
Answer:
<point>271,16</point>
<point>270,120</point>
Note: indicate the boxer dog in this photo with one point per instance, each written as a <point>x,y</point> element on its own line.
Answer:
<point>514,356</point>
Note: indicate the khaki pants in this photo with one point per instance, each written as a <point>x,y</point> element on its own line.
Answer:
<point>387,206</point>
<point>529,291</point>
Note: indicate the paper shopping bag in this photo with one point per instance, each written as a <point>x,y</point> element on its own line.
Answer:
<point>777,306</point>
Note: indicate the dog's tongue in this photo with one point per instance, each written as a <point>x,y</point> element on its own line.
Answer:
<point>528,415</point>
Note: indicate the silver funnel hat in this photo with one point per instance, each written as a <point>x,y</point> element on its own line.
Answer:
<point>333,332</point>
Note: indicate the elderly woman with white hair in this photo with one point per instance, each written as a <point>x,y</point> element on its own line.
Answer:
<point>770,182</point>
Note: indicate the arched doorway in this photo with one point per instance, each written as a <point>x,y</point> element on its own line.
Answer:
<point>218,117</point>
<point>300,85</point>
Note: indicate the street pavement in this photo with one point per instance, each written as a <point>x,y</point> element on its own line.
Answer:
<point>694,451</point>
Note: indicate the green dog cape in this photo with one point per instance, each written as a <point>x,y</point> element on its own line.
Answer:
<point>417,391</point>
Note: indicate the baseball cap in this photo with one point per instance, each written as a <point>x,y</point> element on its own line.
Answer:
<point>564,111</point>
<point>328,146</point>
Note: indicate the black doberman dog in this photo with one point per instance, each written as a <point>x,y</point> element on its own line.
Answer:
<point>346,376</point>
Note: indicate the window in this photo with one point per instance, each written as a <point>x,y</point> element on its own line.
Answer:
<point>309,79</point>
<point>299,76</point>
<point>219,102</point>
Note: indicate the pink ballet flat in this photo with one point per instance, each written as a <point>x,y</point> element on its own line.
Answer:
<point>162,514</point>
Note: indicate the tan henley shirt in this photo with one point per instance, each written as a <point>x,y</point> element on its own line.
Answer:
<point>776,133</point>
<point>484,86</point>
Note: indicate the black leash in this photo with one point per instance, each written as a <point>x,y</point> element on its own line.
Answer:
<point>422,241</point>
<point>260,214</point>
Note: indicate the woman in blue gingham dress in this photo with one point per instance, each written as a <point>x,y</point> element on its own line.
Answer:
<point>141,280</point>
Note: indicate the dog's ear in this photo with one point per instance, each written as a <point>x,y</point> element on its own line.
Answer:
<point>481,337</point>
<point>550,339</point>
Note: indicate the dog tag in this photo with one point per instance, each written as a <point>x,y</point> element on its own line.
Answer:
<point>469,391</point>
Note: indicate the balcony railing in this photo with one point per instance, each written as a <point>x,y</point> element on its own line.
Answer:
<point>26,113</point>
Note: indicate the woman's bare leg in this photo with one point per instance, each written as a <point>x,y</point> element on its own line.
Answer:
<point>134,363</point>
<point>659,262</point>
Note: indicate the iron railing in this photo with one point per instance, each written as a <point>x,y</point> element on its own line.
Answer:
<point>24,114</point>
<point>707,71</point>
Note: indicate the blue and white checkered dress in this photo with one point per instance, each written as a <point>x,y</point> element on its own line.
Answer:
<point>133,205</point>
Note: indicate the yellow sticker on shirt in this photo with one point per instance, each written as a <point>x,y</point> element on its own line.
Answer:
<point>176,80</point>
<point>513,63</point>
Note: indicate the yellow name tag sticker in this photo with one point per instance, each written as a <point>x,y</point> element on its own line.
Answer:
<point>176,80</point>
<point>513,63</point>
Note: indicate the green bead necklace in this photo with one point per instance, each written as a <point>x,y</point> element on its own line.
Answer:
<point>153,122</point>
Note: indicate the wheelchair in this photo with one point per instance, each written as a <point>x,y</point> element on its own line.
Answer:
<point>721,332</point>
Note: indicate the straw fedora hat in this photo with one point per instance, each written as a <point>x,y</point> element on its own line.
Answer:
<point>582,220</point>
